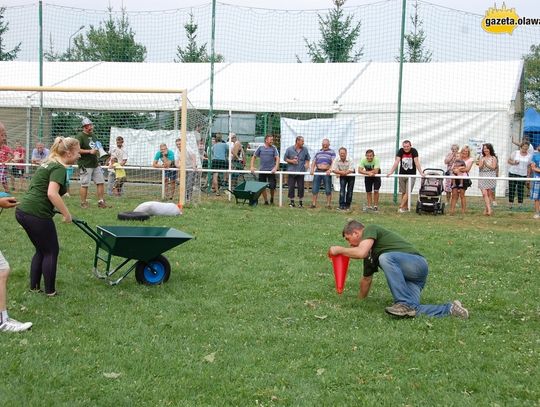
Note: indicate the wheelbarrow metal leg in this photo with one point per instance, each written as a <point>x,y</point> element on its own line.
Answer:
<point>129,270</point>
<point>106,259</point>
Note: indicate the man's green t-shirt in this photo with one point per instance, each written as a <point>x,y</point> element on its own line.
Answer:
<point>36,201</point>
<point>86,160</point>
<point>385,241</point>
<point>369,165</point>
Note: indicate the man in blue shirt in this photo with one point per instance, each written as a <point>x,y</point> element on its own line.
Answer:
<point>297,157</point>
<point>269,161</point>
<point>220,152</point>
<point>164,158</point>
<point>321,169</point>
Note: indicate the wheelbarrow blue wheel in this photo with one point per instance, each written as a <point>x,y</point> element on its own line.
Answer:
<point>154,272</point>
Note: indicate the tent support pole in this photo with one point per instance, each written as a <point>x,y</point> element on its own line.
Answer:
<point>400,82</point>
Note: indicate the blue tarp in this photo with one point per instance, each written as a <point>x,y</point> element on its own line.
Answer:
<point>531,126</point>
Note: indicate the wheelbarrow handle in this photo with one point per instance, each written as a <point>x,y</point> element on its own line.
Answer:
<point>81,224</point>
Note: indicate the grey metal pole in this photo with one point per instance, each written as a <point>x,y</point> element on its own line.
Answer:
<point>400,81</point>
<point>211,109</point>
<point>40,16</point>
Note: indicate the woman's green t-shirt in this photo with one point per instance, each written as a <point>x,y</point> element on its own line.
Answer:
<point>36,202</point>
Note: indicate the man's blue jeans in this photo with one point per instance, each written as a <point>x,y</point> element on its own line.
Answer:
<point>325,179</point>
<point>406,275</point>
<point>346,187</point>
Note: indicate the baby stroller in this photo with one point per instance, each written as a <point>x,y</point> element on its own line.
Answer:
<point>430,194</point>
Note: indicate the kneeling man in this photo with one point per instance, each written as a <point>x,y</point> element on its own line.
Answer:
<point>405,269</point>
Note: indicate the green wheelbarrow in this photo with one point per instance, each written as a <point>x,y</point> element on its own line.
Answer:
<point>143,245</point>
<point>249,191</point>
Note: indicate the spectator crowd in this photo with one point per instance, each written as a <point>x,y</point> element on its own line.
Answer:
<point>325,164</point>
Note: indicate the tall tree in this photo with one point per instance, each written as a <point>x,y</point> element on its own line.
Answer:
<point>192,52</point>
<point>112,40</point>
<point>52,55</point>
<point>339,37</point>
<point>4,27</point>
<point>532,77</point>
<point>415,50</point>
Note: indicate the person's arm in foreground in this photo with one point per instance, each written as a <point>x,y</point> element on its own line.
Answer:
<point>418,166</point>
<point>359,252</point>
<point>8,202</point>
<point>365,285</point>
<point>53,193</point>
<point>276,166</point>
<point>394,166</point>
<point>252,163</point>
<point>356,252</point>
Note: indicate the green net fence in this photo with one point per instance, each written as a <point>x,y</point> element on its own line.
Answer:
<point>136,123</point>
<point>259,35</point>
<point>467,87</point>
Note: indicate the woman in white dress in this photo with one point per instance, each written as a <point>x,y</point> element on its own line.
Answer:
<point>487,165</point>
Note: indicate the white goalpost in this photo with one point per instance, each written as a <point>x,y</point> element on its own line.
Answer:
<point>35,114</point>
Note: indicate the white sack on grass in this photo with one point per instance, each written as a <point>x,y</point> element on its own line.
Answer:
<point>159,208</point>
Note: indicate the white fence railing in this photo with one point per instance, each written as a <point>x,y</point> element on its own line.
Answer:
<point>281,179</point>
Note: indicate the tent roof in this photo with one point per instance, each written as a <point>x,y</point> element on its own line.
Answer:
<point>267,87</point>
<point>532,120</point>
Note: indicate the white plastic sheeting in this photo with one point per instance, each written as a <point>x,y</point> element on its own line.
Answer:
<point>431,134</point>
<point>142,145</point>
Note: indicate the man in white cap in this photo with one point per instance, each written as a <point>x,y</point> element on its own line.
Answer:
<point>89,168</point>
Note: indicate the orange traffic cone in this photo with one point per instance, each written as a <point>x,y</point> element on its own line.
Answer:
<point>341,266</point>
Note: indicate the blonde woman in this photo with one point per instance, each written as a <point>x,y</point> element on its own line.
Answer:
<point>487,167</point>
<point>36,211</point>
<point>459,188</point>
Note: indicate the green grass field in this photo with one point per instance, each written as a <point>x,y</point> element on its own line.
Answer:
<point>250,316</point>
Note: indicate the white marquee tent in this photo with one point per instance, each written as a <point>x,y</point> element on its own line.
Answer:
<point>442,103</point>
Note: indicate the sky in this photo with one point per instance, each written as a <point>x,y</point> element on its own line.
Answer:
<point>274,36</point>
<point>526,8</point>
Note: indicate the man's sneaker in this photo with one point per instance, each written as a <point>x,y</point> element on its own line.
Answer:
<point>375,209</point>
<point>300,205</point>
<point>102,204</point>
<point>292,205</point>
<point>84,205</point>
<point>403,210</point>
<point>536,216</point>
<point>12,325</point>
<point>401,310</point>
<point>457,310</point>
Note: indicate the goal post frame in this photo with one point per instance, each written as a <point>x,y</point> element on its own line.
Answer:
<point>183,114</point>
